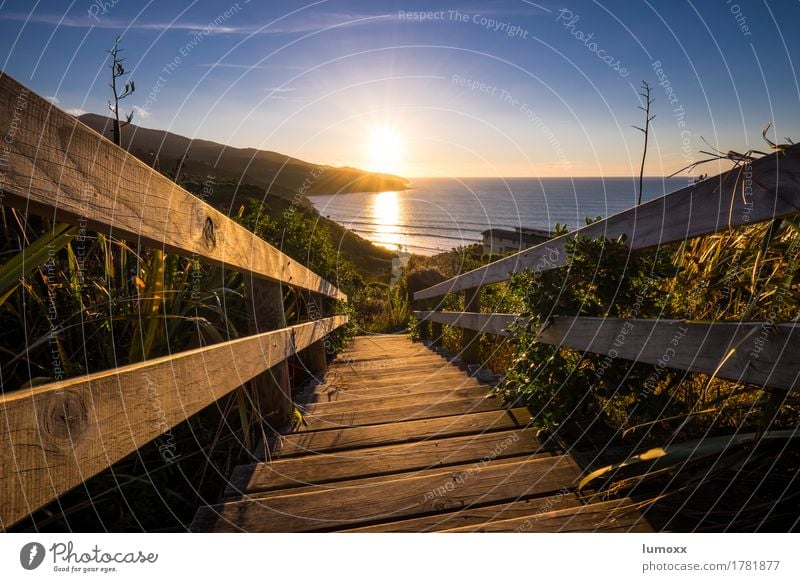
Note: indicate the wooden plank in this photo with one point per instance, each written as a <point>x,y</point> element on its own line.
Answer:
<point>60,168</point>
<point>426,374</point>
<point>765,355</point>
<point>619,515</point>
<point>368,415</point>
<point>713,205</point>
<point>378,461</point>
<point>475,516</point>
<point>60,434</point>
<point>492,323</point>
<point>346,486</point>
<point>395,400</point>
<point>492,482</point>
<point>380,373</point>
<point>386,362</point>
<point>402,432</point>
<point>335,393</point>
<point>271,390</point>
<point>470,338</point>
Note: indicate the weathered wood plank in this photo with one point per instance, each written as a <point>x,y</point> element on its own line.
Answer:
<point>385,363</point>
<point>402,432</point>
<point>491,323</point>
<point>380,373</point>
<point>619,515</point>
<point>367,400</point>
<point>335,393</point>
<point>377,461</point>
<point>470,338</point>
<point>716,204</point>
<point>492,482</point>
<point>369,416</point>
<point>344,487</point>
<point>475,516</point>
<point>271,391</point>
<point>452,375</point>
<point>765,355</point>
<point>60,168</point>
<point>58,435</point>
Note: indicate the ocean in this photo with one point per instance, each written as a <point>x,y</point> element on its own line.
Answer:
<point>439,214</point>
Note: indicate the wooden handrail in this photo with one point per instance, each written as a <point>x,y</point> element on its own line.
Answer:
<point>58,167</point>
<point>752,352</point>
<point>771,189</point>
<point>54,437</point>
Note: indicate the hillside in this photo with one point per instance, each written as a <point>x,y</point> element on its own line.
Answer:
<point>283,174</point>
<point>274,179</point>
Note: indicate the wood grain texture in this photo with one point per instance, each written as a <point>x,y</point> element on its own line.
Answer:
<point>393,399</point>
<point>378,461</point>
<point>492,323</point>
<point>470,338</point>
<point>764,355</point>
<point>60,168</point>
<point>345,486</point>
<point>334,393</point>
<point>401,432</point>
<point>371,373</point>
<point>713,205</point>
<point>58,435</point>
<point>474,516</point>
<point>391,414</point>
<point>492,482</point>
<point>619,515</point>
<point>271,390</point>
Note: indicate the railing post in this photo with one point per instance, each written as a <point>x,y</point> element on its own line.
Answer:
<point>272,393</point>
<point>470,339</point>
<point>436,333</point>
<point>313,359</point>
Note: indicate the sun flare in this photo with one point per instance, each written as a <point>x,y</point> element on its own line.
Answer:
<point>385,150</point>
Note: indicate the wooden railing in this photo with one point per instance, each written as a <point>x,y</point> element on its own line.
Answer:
<point>767,190</point>
<point>54,437</point>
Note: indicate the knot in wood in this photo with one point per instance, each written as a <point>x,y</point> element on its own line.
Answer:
<point>209,233</point>
<point>65,416</point>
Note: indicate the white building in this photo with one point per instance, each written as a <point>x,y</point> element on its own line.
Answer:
<point>500,241</point>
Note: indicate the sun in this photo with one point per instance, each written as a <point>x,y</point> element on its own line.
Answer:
<point>384,150</point>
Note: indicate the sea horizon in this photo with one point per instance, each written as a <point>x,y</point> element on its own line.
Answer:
<point>439,214</point>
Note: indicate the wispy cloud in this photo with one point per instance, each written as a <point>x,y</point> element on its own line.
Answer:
<point>76,111</point>
<point>53,99</point>
<point>302,22</point>
<point>143,113</point>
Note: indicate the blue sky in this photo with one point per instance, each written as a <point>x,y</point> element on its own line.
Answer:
<point>510,88</point>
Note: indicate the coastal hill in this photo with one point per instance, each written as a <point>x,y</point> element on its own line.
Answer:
<point>281,174</point>
<point>242,176</point>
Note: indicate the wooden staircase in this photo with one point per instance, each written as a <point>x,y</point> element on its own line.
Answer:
<point>398,438</point>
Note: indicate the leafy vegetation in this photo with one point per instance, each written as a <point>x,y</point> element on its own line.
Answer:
<point>74,301</point>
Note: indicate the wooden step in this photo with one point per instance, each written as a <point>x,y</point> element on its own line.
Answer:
<point>332,509</point>
<point>378,461</point>
<point>347,485</point>
<point>472,516</point>
<point>402,432</point>
<point>391,414</point>
<point>322,393</point>
<point>424,370</point>
<point>619,515</point>
<point>394,358</point>
<point>409,387</point>
<point>409,379</point>
<point>368,400</point>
